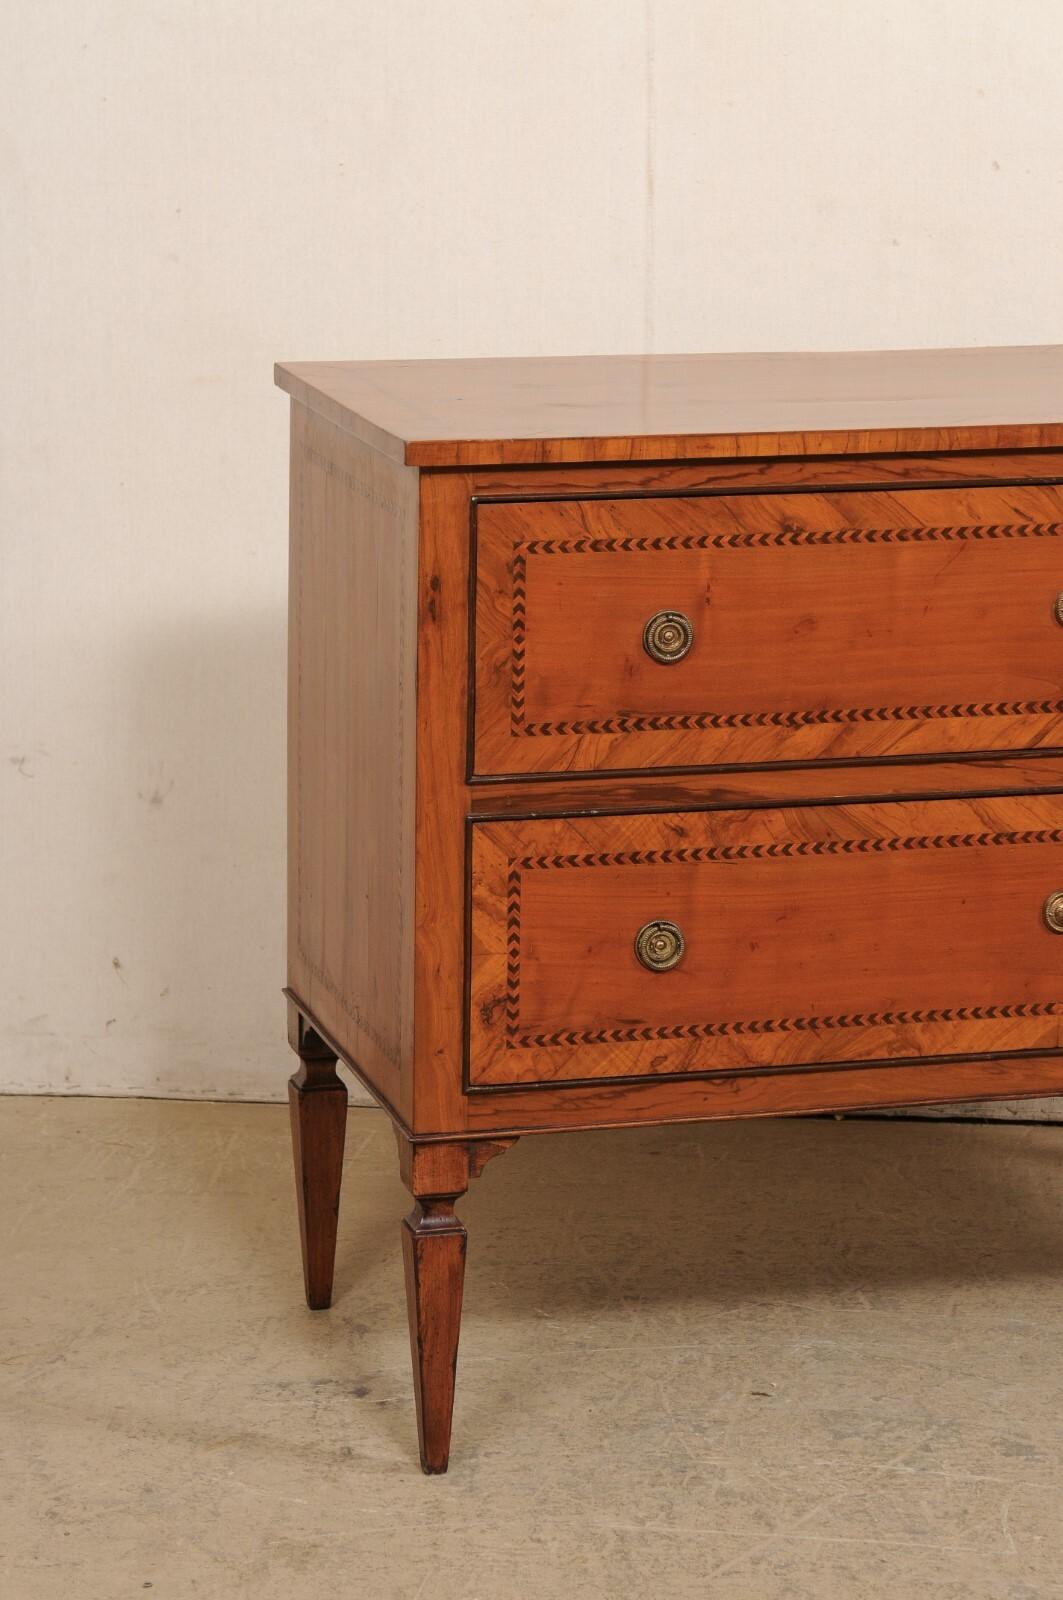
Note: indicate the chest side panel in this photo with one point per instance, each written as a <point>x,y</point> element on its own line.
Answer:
<point>352,655</point>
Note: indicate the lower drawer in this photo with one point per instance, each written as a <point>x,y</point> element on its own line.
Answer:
<point>769,939</point>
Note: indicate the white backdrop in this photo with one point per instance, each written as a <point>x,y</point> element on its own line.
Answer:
<point>194,189</point>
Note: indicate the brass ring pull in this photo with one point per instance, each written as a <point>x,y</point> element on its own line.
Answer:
<point>1052,911</point>
<point>1057,608</point>
<point>659,946</point>
<point>667,637</point>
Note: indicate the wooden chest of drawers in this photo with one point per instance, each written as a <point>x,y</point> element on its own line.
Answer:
<point>670,738</point>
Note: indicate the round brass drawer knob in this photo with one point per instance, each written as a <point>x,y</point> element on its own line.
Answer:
<point>667,637</point>
<point>1053,911</point>
<point>659,946</point>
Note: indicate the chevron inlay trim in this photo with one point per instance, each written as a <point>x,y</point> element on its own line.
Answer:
<point>519,634</point>
<point>687,722</point>
<point>891,844</point>
<point>586,544</point>
<point>733,1030</point>
<point>695,855</point>
<point>792,719</point>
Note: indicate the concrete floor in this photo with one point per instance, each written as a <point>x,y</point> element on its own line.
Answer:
<point>770,1360</point>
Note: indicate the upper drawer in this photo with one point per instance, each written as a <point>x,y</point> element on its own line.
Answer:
<point>845,626</point>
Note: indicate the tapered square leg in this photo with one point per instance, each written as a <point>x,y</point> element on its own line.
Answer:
<point>437,1174</point>
<point>317,1098</point>
<point>433,1247</point>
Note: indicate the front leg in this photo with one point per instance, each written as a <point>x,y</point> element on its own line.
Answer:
<point>433,1247</point>
<point>317,1098</point>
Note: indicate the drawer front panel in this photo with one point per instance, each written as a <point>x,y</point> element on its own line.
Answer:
<point>822,934</point>
<point>843,626</point>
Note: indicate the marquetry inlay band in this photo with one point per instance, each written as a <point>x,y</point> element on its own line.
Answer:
<point>787,848</point>
<point>565,1037</point>
<point>517,1038</point>
<point>702,720</point>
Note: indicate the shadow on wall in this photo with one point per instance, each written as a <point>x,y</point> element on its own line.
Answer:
<point>199,988</point>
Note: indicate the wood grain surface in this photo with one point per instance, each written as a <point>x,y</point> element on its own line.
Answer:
<point>442,720</point>
<point>848,795</point>
<point>533,410</point>
<point>423,1086</point>
<point>825,625</point>
<point>351,711</point>
<point>923,469</point>
<point>779,1092</point>
<point>826,934</point>
<point>601,794</point>
<point>433,1247</point>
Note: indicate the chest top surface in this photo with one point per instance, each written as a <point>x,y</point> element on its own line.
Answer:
<point>529,410</point>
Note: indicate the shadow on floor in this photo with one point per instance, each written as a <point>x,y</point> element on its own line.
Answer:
<point>736,1211</point>
<point>725,1212</point>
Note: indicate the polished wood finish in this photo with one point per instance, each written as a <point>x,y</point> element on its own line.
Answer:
<point>922,470</point>
<point>433,1249</point>
<point>495,1118</point>
<point>351,747</point>
<point>779,1092</point>
<point>442,711</point>
<point>444,1167</point>
<point>434,1244</point>
<point>595,795</point>
<point>806,938</point>
<point>941,607</point>
<point>317,1100</point>
<point>530,410</point>
<point>861,895</point>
